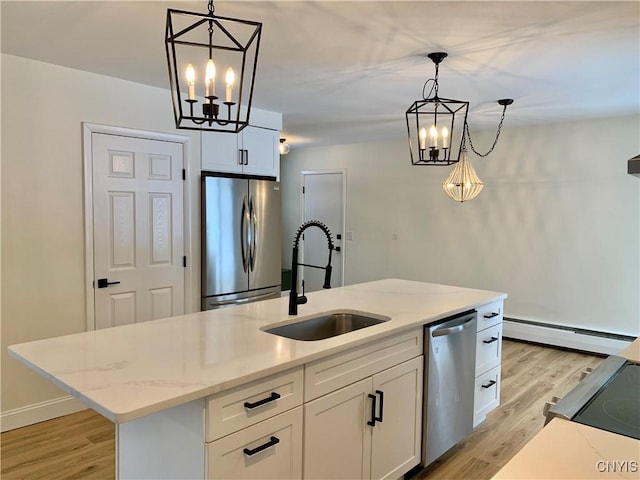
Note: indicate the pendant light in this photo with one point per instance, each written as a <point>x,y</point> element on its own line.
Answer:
<point>199,47</point>
<point>463,183</point>
<point>435,125</point>
<point>437,128</point>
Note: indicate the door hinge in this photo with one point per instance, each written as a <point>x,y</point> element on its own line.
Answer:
<point>184,174</point>
<point>303,190</point>
<point>184,261</point>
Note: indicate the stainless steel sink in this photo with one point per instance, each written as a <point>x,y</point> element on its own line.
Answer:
<point>325,326</point>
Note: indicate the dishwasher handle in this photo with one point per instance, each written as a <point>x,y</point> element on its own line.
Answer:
<point>441,332</point>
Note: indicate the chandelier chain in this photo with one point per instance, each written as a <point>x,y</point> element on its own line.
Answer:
<point>495,141</point>
<point>434,87</point>
<point>212,9</point>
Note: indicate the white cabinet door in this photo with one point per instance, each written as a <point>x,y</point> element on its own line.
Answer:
<point>337,439</point>
<point>221,152</point>
<point>396,441</point>
<point>254,151</point>
<point>271,449</point>
<point>262,156</point>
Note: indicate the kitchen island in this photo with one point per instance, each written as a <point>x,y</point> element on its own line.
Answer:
<point>160,381</point>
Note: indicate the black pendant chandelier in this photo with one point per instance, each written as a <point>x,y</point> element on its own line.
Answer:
<point>437,126</point>
<point>197,46</point>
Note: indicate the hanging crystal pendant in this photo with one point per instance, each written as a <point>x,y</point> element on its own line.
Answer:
<point>463,183</point>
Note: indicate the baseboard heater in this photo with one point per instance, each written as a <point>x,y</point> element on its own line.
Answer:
<point>563,336</point>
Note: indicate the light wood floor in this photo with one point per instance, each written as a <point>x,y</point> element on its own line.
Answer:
<point>82,445</point>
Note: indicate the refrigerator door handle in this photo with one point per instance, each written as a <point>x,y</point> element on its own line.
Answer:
<point>253,227</point>
<point>243,234</point>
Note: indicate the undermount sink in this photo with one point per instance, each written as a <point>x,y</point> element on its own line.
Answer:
<point>326,326</point>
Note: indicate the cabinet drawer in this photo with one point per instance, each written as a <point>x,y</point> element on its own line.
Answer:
<point>329,374</point>
<point>487,394</point>
<point>488,348</point>
<point>269,449</point>
<point>240,407</point>
<point>489,315</point>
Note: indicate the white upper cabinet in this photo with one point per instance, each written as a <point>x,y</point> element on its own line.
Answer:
<point>253,151</point>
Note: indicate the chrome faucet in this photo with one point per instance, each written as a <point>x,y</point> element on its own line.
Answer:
<point>294,299</point>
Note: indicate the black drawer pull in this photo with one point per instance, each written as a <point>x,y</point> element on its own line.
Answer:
<point>252,451</point>
<point>372,422</point>
<point>491,315</point>
<point>493,339</point>
<point>490,384</point>
<point>272,398</point>
<point>381,393</point>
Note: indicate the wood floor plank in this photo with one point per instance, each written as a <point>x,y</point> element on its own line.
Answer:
<point>82,445</point>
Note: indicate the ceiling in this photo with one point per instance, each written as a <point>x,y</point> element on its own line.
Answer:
<point>346,71</point>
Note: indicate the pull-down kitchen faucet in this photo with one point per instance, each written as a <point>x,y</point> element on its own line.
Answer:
<point>294,300</point>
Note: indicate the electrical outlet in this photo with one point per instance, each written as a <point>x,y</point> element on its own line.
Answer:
<point>348,235</point>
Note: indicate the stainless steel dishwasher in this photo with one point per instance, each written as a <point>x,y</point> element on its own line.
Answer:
<point>449,384</point>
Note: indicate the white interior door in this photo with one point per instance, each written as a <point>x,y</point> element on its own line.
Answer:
<point>138,232</point>
<point>323,199</point>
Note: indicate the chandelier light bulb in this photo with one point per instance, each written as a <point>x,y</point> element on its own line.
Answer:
<point>433,133</point>
<point>445,137</point>
<point>191,81</point>
<point>423,138</point>
<point>230,77</point>
<point>210,79</point>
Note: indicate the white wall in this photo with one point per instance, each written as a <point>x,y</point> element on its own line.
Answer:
<point>557,226</point>
<point>43,107</point>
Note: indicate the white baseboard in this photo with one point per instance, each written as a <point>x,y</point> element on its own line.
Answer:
<point>39,412</point>
<point>561,337</point>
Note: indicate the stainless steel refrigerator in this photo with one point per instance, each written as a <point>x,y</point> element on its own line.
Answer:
<point>241,239</point>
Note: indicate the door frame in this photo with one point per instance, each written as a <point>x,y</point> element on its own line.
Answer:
<point>343,172</point>
<point>87,130</point>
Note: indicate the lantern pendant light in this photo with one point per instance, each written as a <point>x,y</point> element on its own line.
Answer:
<point>435,125</point>
<point>197,46</point>
<point>437,128</point>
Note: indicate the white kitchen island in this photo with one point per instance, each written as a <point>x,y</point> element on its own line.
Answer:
<point>178,388</point>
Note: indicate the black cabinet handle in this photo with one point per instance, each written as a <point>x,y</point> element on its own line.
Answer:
<point>252,451</point>
<point>491,315</point>
<point>372,422</point>
<point>493,339</point>
<point>272,398</point>
<point>381,393</point>
<point>104,283</point>
<point>490,384</point>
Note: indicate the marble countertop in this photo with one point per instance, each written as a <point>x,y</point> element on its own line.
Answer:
<point>131,371</point>
<point>632,352</point>
<point>570,450</point>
